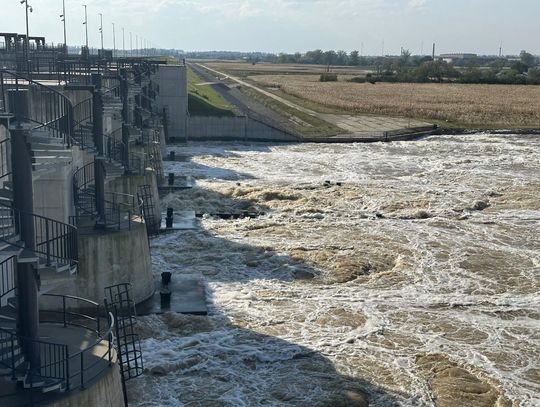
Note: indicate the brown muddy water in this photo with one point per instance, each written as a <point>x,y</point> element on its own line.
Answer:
<point>415,282</point>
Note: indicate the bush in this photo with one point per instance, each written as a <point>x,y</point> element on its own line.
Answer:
<point>328,77</point>
<point>359,79</point>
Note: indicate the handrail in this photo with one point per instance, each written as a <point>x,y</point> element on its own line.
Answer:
<point>51,110</point>
<point>114,149</point>
<point>54,240</point>
<point>4,159</point>
<point>8,283</point>
<point>119,208</point>
<point>83,113</point>
<point>73,371</point>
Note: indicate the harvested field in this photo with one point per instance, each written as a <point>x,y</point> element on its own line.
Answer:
<point>482,106</point>
<point>244,69</point>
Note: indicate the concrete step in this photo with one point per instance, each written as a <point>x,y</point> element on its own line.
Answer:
<point>7,314</point>
<point>7,363</point>
<point>46,384</point>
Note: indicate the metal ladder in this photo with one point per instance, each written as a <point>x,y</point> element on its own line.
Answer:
<point>144,194</point>
<point>118,301</point>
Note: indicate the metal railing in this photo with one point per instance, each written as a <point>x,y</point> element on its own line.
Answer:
<point>114,149</point>
<point>71,371</point>
<point>119,208</point>
<point>83,116</point>
<point>10,344</point>
<point>48,109</point>
<point>8,282</point>
<point>5,169</point>
<point>54,240</point>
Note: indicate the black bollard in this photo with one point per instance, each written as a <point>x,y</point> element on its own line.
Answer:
<point>171,178</point>
<point>166,277</point>
<point>169,218</point>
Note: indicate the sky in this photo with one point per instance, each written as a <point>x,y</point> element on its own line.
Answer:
<point>371,26</point>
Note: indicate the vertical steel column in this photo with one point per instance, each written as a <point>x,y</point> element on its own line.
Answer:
<point>125,141</point>
<point>23,202</point>
<point>99,161</point>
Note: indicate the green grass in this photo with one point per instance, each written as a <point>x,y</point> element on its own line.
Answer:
<point>300,122</point>
<point>203,100</point>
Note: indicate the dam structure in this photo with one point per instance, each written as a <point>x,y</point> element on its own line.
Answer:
<point>81,144</point>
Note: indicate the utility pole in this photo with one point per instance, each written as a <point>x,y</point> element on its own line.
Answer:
<point>113,40</point>
<point>86,26</point>
<point>123,43</point>
<point>101,31</point>
<point>136,44</point>
<point>131,43</point>
<point>27,7</point>
<point>63,17</point>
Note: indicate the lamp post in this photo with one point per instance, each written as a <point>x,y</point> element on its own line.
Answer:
<point>101,31</point>
<point>27,8</point>
<point>63,17</point>
<point>86,25</point>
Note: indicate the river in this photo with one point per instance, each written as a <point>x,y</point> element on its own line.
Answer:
<point>402,273</point>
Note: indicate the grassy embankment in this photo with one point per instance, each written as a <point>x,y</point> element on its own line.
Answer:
<point>448,105</point>
<point>203,100</point>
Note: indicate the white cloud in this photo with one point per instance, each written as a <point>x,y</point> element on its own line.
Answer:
<point>417,3</point>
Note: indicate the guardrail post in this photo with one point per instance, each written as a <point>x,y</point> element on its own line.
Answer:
<point>68,384</point>
<point>48,243</point>
<point>64,310</point>
<point>98,319</point>
<point>82,370</point>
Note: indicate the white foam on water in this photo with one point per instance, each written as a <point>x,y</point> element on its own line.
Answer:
<point>445,278</point>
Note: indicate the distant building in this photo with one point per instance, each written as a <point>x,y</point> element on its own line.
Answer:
<point>451,58</point>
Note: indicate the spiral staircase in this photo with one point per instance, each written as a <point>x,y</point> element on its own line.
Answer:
<point>50,129</point>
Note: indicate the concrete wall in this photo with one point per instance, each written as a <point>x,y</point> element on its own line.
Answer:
<point>107,259</point>
<point>233,128</point>
<point>107,392</point>
<point>172,80</point>
<point>130,185</point>
<point>53,191</point>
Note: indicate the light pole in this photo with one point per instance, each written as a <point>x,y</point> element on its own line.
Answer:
<point>63,17</point>
<point>101,31</point>
<point>86,26</point>
<point>136,44</point>
<point>27,7</point>
<point>113,40</point>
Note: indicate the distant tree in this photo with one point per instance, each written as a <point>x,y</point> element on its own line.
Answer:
<point>314,57</point>
<point>354,59</point>
<point>519,67</point>
<point>511,77</point>
<point>297,58</point>
<point>498,64</point>
<point>533,77</point>
<point>342,58</point>
<point>527,59</point>
<point>405,57</point>
<point>330,57</point>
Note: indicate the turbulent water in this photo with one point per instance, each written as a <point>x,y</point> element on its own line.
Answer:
<point>404,273</point>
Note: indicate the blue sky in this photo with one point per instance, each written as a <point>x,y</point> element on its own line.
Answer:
<point>294,25</point>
